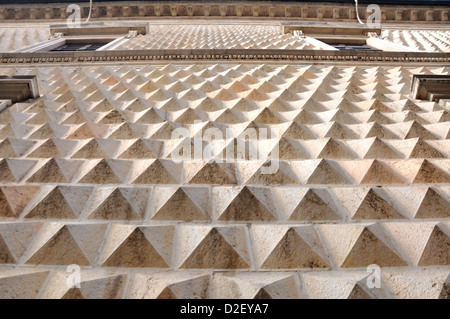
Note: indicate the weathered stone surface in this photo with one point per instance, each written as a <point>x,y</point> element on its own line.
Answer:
<point>89,172</point>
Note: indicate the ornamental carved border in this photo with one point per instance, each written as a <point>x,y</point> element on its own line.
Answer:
<point>223,54</point>
<point>248,10</point>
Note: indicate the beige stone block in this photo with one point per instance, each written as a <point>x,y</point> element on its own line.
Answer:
<point>22,283</point>
<point>256,286</point>
<point>205,247</point>
<point>138,247</point>
<point>285,247</point>
<point>179,285</point>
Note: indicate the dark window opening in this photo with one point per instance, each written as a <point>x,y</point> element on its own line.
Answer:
<point>349,46</point>
<point>78,47</point>
<point>431,87</point>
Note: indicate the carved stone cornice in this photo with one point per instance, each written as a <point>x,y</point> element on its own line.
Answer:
<point>18,88</point>
<point>223,54</point>
<point>306,11</point>
<point>432,87</point>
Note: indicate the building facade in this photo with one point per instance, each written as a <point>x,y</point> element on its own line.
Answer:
<point>224,150</point>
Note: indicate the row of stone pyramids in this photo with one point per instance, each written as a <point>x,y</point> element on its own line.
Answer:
<point>328,148</point>
<point>210,36</point>
<point>15,38</point>
<point>208,109</point>
<point>108,284</point>
<point>288,172</point>
<point>88,176</point>
<point>239,129</point>
<point>423,40</point>
<point>261,84</point>
<point>225,36</point>
<point>260,246</point>
<point>222,204</point>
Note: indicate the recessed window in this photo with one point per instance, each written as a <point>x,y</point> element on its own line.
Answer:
<point>82,44</point>
<point>78,47</point>
<point>62,44</point>
<point>18,88</point>
<point>348,46</point>
<point>431,87</point>
<point>347,43</point>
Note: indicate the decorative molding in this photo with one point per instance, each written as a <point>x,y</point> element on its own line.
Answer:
<point>307,11</point>
<point>18,88</point>
<point>223,54</point>
<point>100,28</point>
<point>430,87</point>
<point>335,29</point>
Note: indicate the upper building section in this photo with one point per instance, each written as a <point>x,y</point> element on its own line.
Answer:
<point>309,31</point>
<point>391,11</point>
<point>242,36</point>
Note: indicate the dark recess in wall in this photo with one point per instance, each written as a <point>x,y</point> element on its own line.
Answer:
<point>366,2</point>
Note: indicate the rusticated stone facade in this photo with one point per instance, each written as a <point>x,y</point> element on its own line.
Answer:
<point>89,174</point>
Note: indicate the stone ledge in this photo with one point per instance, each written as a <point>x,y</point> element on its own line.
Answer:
<point>223,54</point>
<point>18,88</point>
<point>431,87</point>
<point>256,10</point>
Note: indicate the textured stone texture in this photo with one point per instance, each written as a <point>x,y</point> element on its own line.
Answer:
<point>88,176</point>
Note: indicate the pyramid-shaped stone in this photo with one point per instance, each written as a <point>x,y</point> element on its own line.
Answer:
<point>424,150</point>
<point>138,150</point>
<point>73,293</point>
<point>102,173</point>
<point>358,292</point>
<point>214,252</point>
<point>14,199</point>
<point>288,150</point>
<point>54,205</point>
<point>335,149</point>
<point>381,173</point>
<point>246,207</point>
<point>5,208</point>
<point>179,207</point>
<point>326,173</point>
<point>47,150</point>
<point>115,207</point>
<point>136,251</point>
<point>13,281</point>
<point>293,252</point>
<point>417,130</point>
<point>433,206</point>
<point>213,173</point>
<point>430,173</point>
<point>280,177</point>
<point>50,173</point>
<point>374,206</point>
<point>12,148</point>
<point>6,256</point>
<point>6,175</point>
<point>312,207</point>
<point>156,173</point>
<point>91,150</point>
<point>297,131</point>
<point>380,149</point>
<point>60,249</point>
<point>437,250</point>
<point>369,249</point>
